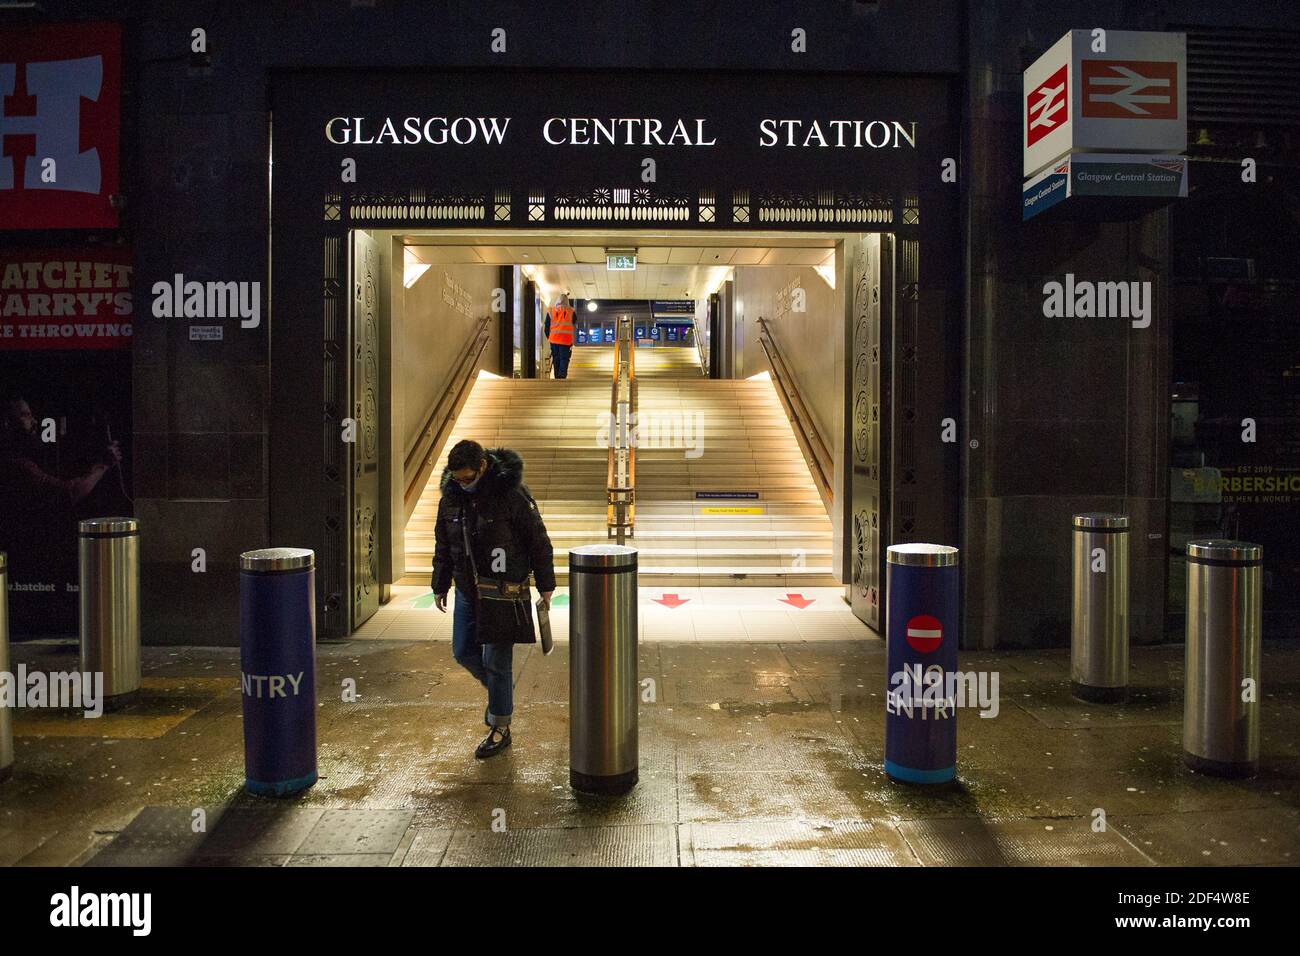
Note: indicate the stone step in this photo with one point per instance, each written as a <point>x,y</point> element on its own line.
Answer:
<point>737,438</point>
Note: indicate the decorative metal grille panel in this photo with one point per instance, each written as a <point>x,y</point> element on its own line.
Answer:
<point>367,302</point>
<point>707,207</point>
<point>867,355</point>
<point>619,205</point>
<point>331,563</point>
<point>740,206</point>
<point>419,206</point>
<point>824,206</point>
<point>622,204</point>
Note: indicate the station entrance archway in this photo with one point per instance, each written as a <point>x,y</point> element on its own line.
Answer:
<point>901,331</point>
<point>738,432</point>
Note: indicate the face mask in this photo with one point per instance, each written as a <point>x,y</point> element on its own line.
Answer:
<point>469,489</point>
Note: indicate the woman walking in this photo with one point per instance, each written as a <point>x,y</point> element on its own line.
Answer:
<point>489,537</point>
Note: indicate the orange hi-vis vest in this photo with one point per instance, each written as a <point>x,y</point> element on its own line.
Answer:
<point>561,326</point>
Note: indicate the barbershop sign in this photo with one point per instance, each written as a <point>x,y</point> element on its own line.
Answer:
<point>59,119</point>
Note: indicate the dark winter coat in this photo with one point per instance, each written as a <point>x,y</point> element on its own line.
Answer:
<point>501,514</point>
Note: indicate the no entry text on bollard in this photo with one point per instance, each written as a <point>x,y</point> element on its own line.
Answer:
<point>921,663</point>
<point>277,664</point>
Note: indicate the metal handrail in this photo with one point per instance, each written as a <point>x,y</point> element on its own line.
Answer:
<point>821,462</point>
<point>620,476</point>
<point>422,457</point>
<point>699,349</point>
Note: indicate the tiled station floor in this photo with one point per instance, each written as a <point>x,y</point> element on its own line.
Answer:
<point>753,752</point>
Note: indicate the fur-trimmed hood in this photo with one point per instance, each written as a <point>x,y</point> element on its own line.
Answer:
<point>505,472</point>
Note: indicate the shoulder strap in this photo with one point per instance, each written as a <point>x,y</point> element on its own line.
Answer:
<point>469,550</point>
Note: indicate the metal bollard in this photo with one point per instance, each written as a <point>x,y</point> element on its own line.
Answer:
<point>277,669</point>
<point>1221,671</point>
<point>6,717</point>
<point>921,621</point>
<point>603,668</point>
<point>1099,608</point>
<point>109,558</point>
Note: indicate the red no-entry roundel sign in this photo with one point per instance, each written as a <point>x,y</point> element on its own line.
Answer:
<point>924,633</point>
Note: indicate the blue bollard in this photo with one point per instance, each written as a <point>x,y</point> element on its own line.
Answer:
<point>277,665</point>
<point>921,652</point>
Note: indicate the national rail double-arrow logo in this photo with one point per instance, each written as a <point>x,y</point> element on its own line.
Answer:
<point>1130,89</point>
<point>1048,106</point>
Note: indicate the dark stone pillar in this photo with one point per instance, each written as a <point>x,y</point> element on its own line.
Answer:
<point>1062,414</point>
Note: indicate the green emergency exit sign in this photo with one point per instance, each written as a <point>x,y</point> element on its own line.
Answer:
<point>620,262</point>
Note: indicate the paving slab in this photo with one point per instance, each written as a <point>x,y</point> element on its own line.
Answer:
<point>1264,837</point>
<point>794,843</point>
<point>638,845</point>
<point>972,841</point>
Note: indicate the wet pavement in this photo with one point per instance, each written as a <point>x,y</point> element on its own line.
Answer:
<point>752,753</point>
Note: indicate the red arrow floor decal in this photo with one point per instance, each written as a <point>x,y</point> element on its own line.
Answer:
<point>796,600</point>
<point>670,600</point>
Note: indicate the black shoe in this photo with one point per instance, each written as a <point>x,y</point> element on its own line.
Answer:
<point>495,742</point>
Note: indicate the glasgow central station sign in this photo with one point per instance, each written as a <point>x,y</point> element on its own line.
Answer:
<point>465,135</point>
<point>616,131</point>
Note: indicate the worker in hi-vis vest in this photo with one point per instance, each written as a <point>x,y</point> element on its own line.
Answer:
<point>558,329</point>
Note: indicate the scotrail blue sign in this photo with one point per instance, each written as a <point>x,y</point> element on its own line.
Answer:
<point>1045,190</point>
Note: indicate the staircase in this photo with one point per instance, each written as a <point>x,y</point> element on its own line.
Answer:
<point>739,440</point>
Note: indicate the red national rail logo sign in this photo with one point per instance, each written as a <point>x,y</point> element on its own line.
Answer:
<point>1129,89</point>
<point>1047,105</point>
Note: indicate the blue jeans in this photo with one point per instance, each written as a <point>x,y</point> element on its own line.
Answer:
<point>490,664</point>
<point>560,355</point>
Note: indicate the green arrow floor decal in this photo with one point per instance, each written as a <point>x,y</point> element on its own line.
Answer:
<point>560,600</point>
